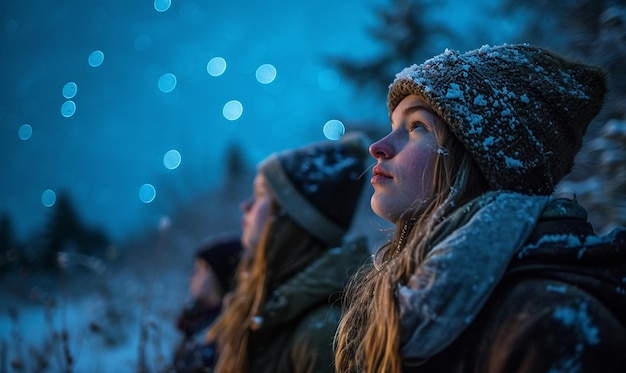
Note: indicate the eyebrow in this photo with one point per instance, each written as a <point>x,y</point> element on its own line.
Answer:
<point>417,107</point>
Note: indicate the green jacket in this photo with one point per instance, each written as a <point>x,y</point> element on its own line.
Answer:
<point>299,319</point>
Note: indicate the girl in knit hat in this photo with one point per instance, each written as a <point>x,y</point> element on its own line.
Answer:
<point>487,271</point>
<point>215,261</point>
<point>285,308</point>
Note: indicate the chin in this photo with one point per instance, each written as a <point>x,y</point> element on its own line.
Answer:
<point>382,211</point>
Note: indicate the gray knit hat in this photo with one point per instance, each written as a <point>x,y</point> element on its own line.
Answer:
<point>319,185</point>
<point>520,110</point>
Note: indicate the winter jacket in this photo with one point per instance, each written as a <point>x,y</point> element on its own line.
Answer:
<point>558,306</point>
<point>194,354</point>
<point>299,319</point>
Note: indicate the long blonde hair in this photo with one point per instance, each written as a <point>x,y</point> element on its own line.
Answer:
<point>283,250</point>
<point>367,339</point>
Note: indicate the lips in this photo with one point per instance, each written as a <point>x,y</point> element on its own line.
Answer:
<point>380,175</point>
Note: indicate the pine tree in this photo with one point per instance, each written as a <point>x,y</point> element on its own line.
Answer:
<point>236,166</point>
<point>8,246</point>
<point>405,38</point>
<point>604,193</point>
<point>65,232</point>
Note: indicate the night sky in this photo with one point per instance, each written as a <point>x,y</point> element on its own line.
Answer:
<point>129,105</point>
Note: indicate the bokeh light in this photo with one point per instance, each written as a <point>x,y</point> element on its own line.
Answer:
<point>69,90</point>
<point>172,159</point>
<point>334,129</point>
<point>96,58</point>
<point>167,82</point>
<point>265,74</point>
<point>147,193</point>
<point>25,132</point>
<point>48,198</point>
<point>68,108</point>
<point>216,66</point>
<point>162,5</point>
<point>232,110</point>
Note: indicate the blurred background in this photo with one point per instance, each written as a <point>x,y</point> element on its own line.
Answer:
<point>131,130</point>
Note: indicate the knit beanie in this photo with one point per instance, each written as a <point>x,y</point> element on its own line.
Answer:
<point>520,110</point>
<point>222,253</point>
<point>319,185</point>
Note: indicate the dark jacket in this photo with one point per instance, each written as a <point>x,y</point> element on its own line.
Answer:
<point>302,314</point>
<point>561,306</point>
<point>194,354</point>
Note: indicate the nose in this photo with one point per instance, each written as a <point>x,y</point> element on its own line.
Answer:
<point>382,148</point>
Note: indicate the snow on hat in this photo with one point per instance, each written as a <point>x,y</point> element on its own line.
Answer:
<point>520,110</point>
<point>222,253</point>
<point>319,185</point>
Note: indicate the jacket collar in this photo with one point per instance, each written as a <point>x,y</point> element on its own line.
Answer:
<point>320,283</point>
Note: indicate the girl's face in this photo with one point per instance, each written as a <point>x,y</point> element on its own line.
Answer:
<point>406,157</point>
<point>203,284</point>
<point>256,214</point>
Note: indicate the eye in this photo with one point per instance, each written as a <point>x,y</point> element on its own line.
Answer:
<point>416,126</point>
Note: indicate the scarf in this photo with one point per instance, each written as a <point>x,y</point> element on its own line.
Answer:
<point>473,248</point>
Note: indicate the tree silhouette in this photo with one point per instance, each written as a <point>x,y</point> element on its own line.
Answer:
<point>9,250</point>
<point>604,193</point>
<point>237,185</point>
<point>65,232</point>
<point>405,36</point>
<point>236,166</point>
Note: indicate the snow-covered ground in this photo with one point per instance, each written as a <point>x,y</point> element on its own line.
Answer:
<point>119,320</point>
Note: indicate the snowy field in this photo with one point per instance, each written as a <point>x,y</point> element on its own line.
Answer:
<point>120,320</point>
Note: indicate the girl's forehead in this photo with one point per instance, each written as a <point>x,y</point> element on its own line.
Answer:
<point>411,103</point>
<point>412,98</point>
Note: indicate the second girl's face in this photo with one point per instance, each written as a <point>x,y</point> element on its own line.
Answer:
<point>406,158</point>
<point>203,284</point>
<point>256,214</point>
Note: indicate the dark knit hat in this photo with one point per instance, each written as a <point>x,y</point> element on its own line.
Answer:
<point>520,110</point>
<point>319,185</point>
<point>222,253</point>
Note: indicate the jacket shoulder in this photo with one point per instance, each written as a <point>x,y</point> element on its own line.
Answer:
<point>309,347</point>
<point>546,325</point>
